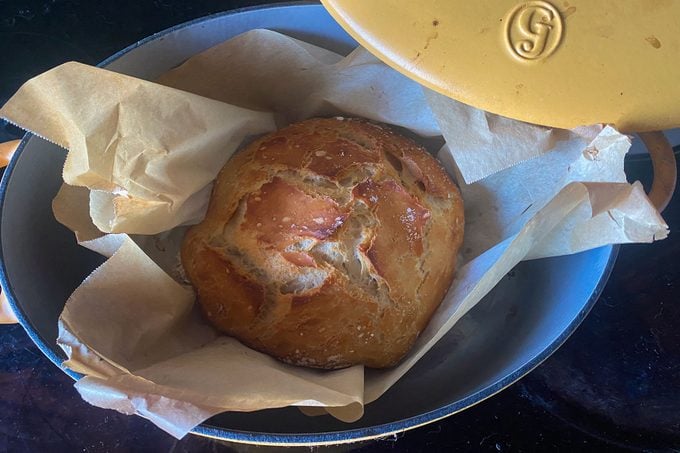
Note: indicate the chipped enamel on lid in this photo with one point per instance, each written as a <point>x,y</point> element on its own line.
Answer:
<point>561,64</point>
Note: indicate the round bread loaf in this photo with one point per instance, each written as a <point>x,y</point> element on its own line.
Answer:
<point>326,244</point>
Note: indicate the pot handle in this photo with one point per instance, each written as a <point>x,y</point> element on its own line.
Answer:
<point>664,166</point>
<point>6,314</point>
<point>6,152</point>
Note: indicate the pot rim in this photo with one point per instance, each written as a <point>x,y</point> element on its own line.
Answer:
<point>298,439</point>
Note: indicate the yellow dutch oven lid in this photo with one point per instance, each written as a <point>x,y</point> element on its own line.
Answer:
<point>560,64</point>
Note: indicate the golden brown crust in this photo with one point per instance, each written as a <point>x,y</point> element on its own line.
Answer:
<point>327,244</point>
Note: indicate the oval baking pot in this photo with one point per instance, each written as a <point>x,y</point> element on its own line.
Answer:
<point>518,325</point>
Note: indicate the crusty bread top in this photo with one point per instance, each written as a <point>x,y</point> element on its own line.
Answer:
<point>328,243</point>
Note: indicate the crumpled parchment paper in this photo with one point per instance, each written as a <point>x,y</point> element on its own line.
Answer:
<point>141,159</point>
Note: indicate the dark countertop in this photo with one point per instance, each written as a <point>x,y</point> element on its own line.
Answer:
<point>613,386</point>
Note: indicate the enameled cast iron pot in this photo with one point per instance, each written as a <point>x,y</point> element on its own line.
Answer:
<point>518,325</point>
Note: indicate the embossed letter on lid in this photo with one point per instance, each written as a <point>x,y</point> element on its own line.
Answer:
<point>533,30</point>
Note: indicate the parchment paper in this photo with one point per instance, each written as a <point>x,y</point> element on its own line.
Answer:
<point>157,148</point>
<point>132,327</point>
